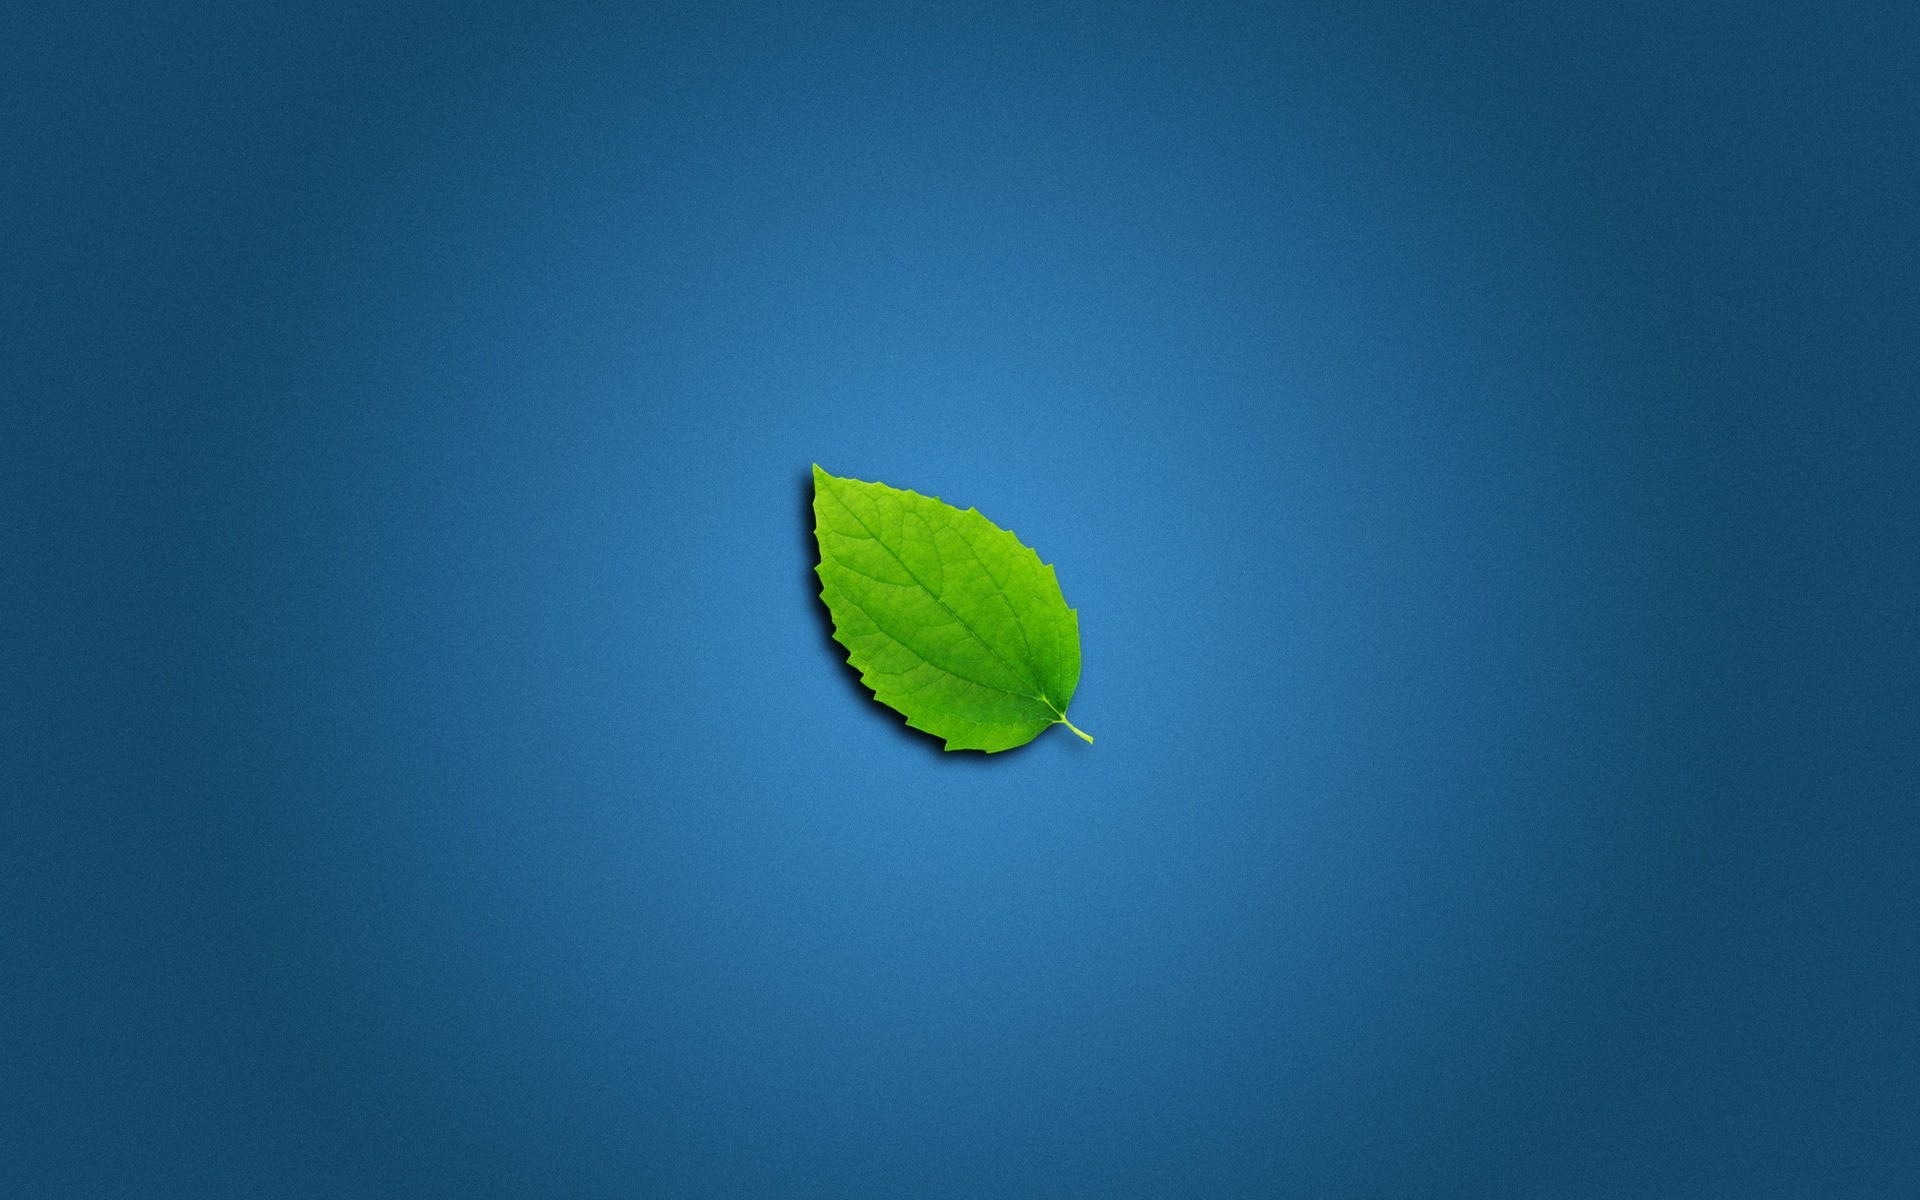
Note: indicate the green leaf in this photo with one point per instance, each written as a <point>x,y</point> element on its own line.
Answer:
<point>947,617</point>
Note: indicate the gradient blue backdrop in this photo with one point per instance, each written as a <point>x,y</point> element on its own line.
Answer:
<point>1481,444</point>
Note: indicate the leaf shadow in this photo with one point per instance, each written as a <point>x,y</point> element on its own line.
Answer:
<point>892,721</point>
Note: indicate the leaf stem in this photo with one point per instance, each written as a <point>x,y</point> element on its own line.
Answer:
<point>1070,725</point>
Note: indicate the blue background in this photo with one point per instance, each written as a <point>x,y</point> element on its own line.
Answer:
<point>1481,444</point>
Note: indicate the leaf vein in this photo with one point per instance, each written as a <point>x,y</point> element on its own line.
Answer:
<point>897,640</point>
